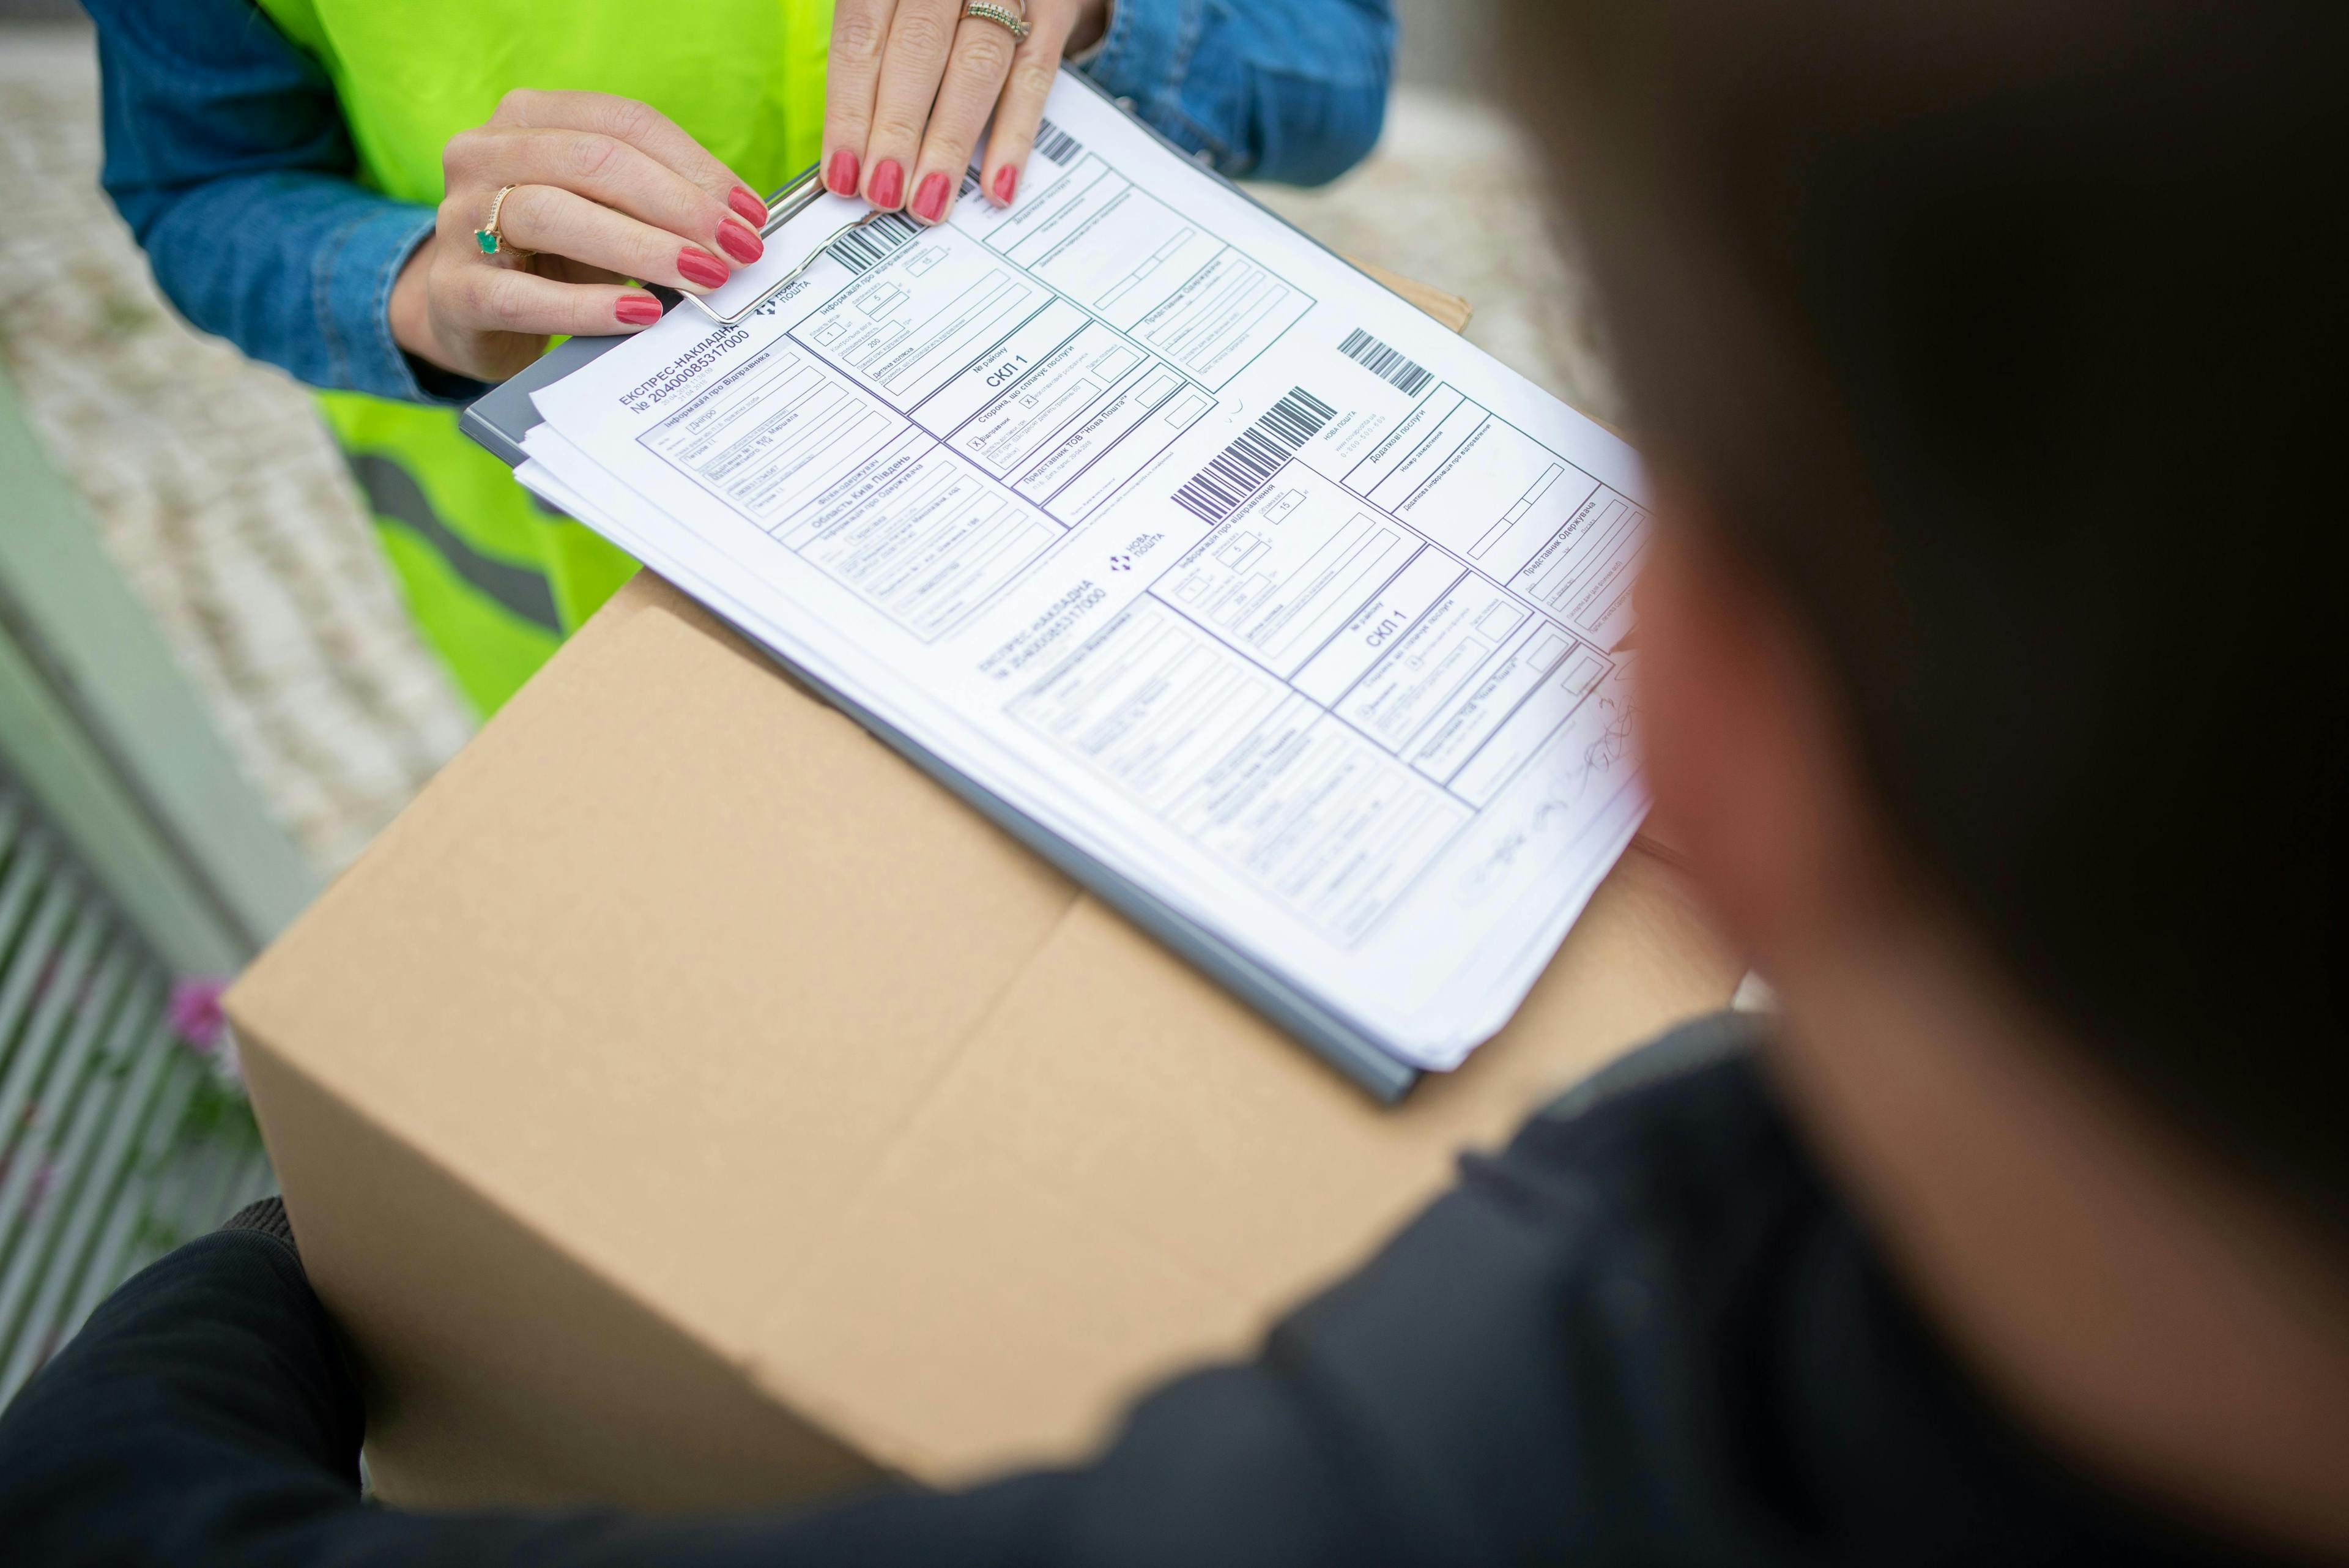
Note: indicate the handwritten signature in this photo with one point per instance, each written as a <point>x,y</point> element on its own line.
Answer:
<point>1618,717</point>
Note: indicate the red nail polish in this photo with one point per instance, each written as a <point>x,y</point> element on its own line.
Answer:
<point>1007,183</point>
<point>888,184</point>
<point>741,243</point>
<point>753,211</point>
<point>930,204</point>
<point>638,309</point>
<point>840,174</point>
<point>698,266</point>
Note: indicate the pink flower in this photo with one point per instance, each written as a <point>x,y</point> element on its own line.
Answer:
<point>195,1012</point>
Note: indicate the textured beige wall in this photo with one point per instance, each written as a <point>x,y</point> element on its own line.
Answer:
<point>1449,43</point>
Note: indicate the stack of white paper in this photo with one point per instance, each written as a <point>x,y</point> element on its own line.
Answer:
<point>1181,536</point>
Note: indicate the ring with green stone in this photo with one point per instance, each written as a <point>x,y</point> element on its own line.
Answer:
<point>487,236</point>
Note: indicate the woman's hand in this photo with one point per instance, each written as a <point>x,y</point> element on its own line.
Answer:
<point>605,190</point>
<point>911,85</point>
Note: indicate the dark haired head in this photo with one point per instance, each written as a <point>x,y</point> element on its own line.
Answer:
<point>2003,339</point>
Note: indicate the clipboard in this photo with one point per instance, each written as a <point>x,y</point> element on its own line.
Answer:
<point>500,419</point>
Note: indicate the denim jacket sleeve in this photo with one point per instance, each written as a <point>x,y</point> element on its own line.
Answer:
<point>1293,90</point>
<point>227,154</point>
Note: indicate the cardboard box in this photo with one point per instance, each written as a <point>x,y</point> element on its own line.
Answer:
<point>685,1102</point>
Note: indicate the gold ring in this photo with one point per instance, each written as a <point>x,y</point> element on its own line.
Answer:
<point>1001,15</point>
<point>487,236</point>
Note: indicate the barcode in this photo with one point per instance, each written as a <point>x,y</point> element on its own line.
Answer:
<point>1216,491</point>
<point>1385,362</point>
<point>870,243</point>
<point>969,183</point>
<point>1058,145</point>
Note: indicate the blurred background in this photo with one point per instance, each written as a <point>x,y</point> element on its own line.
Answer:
<point>211,700</point>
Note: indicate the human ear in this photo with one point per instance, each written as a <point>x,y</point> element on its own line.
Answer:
<point>1751,778</point>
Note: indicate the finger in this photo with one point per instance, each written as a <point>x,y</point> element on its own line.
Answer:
<point>614,173</point>
<point>563,269</point>
<point>555,222</point>
<point>920,36</point>
<point>642,127</point>
<point>974,80</point>
<point>860,34</point>
<point>508,299</point>
<point>1034,66</point>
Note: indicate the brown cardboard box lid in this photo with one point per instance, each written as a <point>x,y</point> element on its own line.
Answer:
<point>686,1101</point>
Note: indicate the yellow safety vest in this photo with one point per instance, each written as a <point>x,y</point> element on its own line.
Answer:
<point>493,580</point>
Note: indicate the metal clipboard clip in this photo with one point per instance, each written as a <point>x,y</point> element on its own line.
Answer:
<point>781,207</point>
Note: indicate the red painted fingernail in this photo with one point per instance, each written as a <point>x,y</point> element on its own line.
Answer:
<point>1007,182</point>
<point>638,309</point>
<point>753,211</point>
<point>740,242</point>
<point>930,205</point>
<point>888,184</point>
<point>840,174</point>
<point>698,266</point>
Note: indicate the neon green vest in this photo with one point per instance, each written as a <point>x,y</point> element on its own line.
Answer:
<point>493,580</point>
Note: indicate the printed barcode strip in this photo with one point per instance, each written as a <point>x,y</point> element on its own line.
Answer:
<point>1241,468</point>
<point>969,183</point>
<point>1386,362</point>
<point>869,244</point>
<point>1058,145</point>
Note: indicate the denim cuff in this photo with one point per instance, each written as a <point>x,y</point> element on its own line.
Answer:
<point>351,299</point>
<point>1146,54</point>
